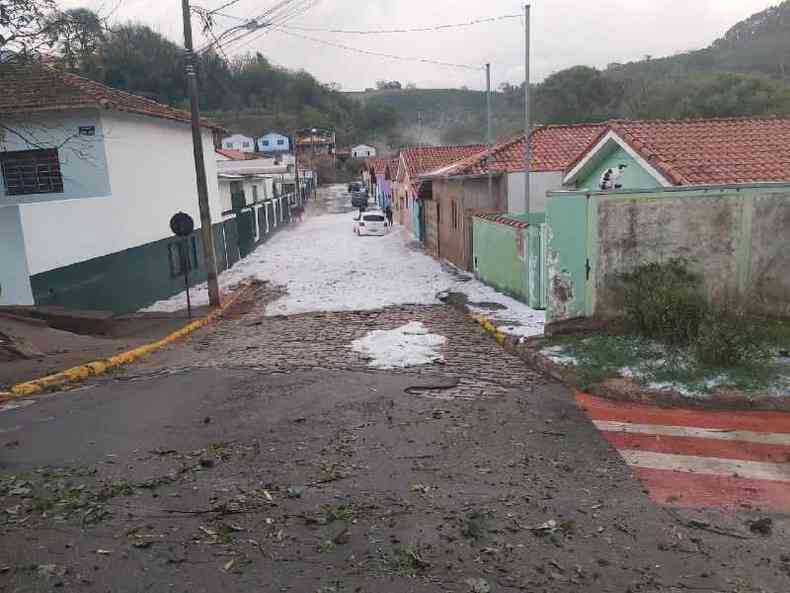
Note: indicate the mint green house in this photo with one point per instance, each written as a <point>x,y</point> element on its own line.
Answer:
<point>714,192</point>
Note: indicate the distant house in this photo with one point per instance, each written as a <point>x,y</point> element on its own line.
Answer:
<point>363,151</point>
<point>413,164</point>
<point>313,141</point>
<point>90,178</point>
<point>239,142</point>
<point>461,188</point>
<point>273,142</point>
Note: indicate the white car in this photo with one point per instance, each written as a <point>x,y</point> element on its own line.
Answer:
<point>370,222</point>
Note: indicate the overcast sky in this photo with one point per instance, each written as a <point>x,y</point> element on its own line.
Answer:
<point>565,33</point>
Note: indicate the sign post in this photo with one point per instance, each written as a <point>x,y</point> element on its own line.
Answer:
<point>183,226</point>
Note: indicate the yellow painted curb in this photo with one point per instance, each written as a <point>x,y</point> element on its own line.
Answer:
<point>490,327</point>
<point>98,367</point>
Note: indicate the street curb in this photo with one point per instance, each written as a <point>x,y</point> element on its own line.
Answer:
<point>101,366</point>
<point>489,326</point>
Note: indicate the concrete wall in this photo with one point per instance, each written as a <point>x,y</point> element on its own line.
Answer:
<point>14,273</point>
<point>737,239</point>
<point>769,273</point>
<point>455,233</point>
<point>539,184</point>
<point>152,174</point>
<point>500,257</point>
<point>83,160</point>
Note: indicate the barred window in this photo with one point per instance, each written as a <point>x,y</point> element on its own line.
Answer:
<point>31,172</point>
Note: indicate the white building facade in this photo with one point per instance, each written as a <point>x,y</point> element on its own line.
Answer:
<point>363,151</point>
<point>239,142</point>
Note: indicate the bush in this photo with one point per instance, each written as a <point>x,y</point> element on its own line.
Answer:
<point>728,337</point>
<point>665,301</point>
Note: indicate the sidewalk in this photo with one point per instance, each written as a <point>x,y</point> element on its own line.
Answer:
<point>35,343</point>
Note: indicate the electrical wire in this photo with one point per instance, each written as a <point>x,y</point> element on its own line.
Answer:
<point>433,28</point>
<point>377,54</point>
<point>285,9</point>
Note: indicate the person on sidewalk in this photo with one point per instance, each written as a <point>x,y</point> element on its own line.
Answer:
<point>388,214</point>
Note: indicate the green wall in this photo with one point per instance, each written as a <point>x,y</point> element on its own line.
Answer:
<point>635,176</point>
<point>499,257</point>
<point>129,280</point>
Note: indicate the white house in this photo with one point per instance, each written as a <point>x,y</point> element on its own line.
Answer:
<point>90,178</point>
<point>274,142</point>
<point>363,151</point>
<point>239,142</point>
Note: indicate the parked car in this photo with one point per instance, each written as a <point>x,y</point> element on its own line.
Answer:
<point>370,222</point>
<point>359,199</point>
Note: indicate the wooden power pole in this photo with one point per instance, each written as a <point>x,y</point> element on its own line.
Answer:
<point>200,165</point>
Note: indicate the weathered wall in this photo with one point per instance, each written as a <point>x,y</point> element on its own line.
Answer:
<point>500,257</point>
<point>630,232</point>
<point>770,252</point>
<point>431,227</point>
<point>455,226</point>
<point>737,239</point>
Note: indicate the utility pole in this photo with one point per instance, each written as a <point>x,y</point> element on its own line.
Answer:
<point>527,124</point>
<point>489,139</point>
<point>200,165</point>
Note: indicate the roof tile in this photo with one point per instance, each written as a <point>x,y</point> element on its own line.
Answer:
<point>553,148</point>
<point>25,89</point>
<point>712,151</point>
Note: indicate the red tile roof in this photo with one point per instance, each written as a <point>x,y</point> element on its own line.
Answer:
<point>235,155</point>
<point>378,164</point>
<point>502,218</point>
<point>553,149</point>
<point>25,89</point>
<point>420,160</point>
<point>712,151</point>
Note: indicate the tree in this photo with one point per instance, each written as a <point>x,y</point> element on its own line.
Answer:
<point>27,27</point>
<point>577,94</point>
<point>81,34</point>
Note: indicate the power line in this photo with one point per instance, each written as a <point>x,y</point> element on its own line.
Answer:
<point>279,13</point>
<point>433,28</point>
<point>378,54</point>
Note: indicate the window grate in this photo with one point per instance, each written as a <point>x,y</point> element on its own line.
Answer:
<point>31,172</point>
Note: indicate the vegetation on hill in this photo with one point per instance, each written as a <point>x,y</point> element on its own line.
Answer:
<point>744,73</point>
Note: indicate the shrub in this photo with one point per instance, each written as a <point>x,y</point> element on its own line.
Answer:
<point>664,300</point>
<point>729,337</point>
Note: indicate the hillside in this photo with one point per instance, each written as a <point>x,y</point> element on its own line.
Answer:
<point>746,72</point>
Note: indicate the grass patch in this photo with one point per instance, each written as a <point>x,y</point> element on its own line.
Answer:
<point>476,526</point>
<point>660,366</point>
<point>405,561</point>
<point>679,340</point>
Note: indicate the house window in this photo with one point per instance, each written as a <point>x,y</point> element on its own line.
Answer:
<point>245,144</point>
<point>266,143</point>
<point>31,172</point>
<point>183,256</point>
<point>280,142</point>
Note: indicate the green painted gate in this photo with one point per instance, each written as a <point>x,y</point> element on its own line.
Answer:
<point>245,222</point>
<point>567,257</point>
